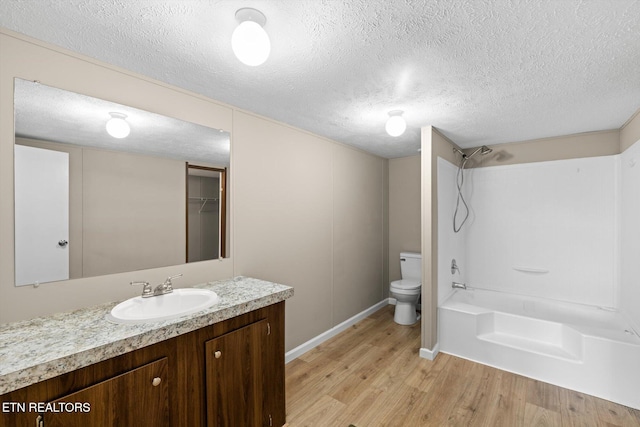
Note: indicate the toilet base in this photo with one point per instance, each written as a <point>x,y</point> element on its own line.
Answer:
<point>405,313</point>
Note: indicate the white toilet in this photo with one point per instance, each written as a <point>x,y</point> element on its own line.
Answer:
<point>407,290</point>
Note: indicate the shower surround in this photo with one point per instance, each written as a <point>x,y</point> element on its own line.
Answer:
<point>544,239</point>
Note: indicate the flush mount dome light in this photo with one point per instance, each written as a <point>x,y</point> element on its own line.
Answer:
<point>395,124</point>
<point>117,126</point>
<point>249,41</point>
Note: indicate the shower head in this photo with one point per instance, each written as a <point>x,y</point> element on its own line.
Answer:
<point>482,150</point>
<point>485,150</point>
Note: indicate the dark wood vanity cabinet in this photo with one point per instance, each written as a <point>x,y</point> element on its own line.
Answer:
<point>234,383</point>
<point>138,398</point>
<point>227,374</point>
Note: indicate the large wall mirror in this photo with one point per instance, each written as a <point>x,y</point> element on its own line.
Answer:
<point>88,203</point>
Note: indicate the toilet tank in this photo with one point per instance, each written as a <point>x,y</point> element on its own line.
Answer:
<point>411,265</point>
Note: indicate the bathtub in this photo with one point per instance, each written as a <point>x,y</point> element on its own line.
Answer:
<point>583,348</point>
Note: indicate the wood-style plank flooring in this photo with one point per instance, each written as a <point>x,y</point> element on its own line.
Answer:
<point>371,375</point>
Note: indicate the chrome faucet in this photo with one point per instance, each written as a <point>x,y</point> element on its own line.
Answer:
<point>165,287</point>
<point>457,285</point>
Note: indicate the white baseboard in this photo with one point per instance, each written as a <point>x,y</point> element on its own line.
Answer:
<point>316,341</point>
<point>425,353</point>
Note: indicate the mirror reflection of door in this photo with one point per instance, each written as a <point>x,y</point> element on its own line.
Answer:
<point>206,208</point>
<point>42,215</point>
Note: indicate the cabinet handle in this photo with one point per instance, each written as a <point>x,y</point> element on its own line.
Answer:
<point>217,354</point>
<point>156,381</point>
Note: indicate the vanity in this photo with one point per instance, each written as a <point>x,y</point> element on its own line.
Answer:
<point>223,366</point>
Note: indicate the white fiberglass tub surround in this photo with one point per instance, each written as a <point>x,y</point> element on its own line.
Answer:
<point>580,347</point>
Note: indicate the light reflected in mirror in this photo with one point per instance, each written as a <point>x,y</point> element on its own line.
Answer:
<point>89,204</point>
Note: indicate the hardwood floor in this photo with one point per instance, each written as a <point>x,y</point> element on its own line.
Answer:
<point>371,375</point>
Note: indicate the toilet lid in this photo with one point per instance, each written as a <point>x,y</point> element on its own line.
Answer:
<point>405,285</point>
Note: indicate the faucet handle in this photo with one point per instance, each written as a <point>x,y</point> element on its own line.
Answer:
<point>146,289</point>
<point>170,278</point>
<point>167,282</point>
<point>454,267</point>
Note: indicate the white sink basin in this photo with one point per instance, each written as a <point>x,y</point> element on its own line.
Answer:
<point>162,307</point>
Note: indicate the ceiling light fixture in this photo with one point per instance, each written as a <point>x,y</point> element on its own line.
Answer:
<point>396,124</point>
<point>117,126</point>
<point>249,41</point>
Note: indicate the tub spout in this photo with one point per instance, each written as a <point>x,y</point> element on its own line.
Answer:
<point>457,285</point>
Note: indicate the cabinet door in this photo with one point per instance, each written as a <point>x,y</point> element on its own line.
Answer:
<point>136,398</point>
<point>234,369</point>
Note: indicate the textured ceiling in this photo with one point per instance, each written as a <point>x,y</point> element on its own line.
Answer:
<point>483,72</point>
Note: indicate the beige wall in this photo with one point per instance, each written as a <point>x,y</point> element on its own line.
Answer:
<point>305,211</point>
<point>358,231</point>
<point>434,145</point>
<point>309,213</point>
<point>404,211</point>
<point>134,214</point>
<point>282,194</point>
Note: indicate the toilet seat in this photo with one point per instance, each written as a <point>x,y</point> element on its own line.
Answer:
<point>405,287</point>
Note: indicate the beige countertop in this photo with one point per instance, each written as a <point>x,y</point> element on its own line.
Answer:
<point>38,349</point>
